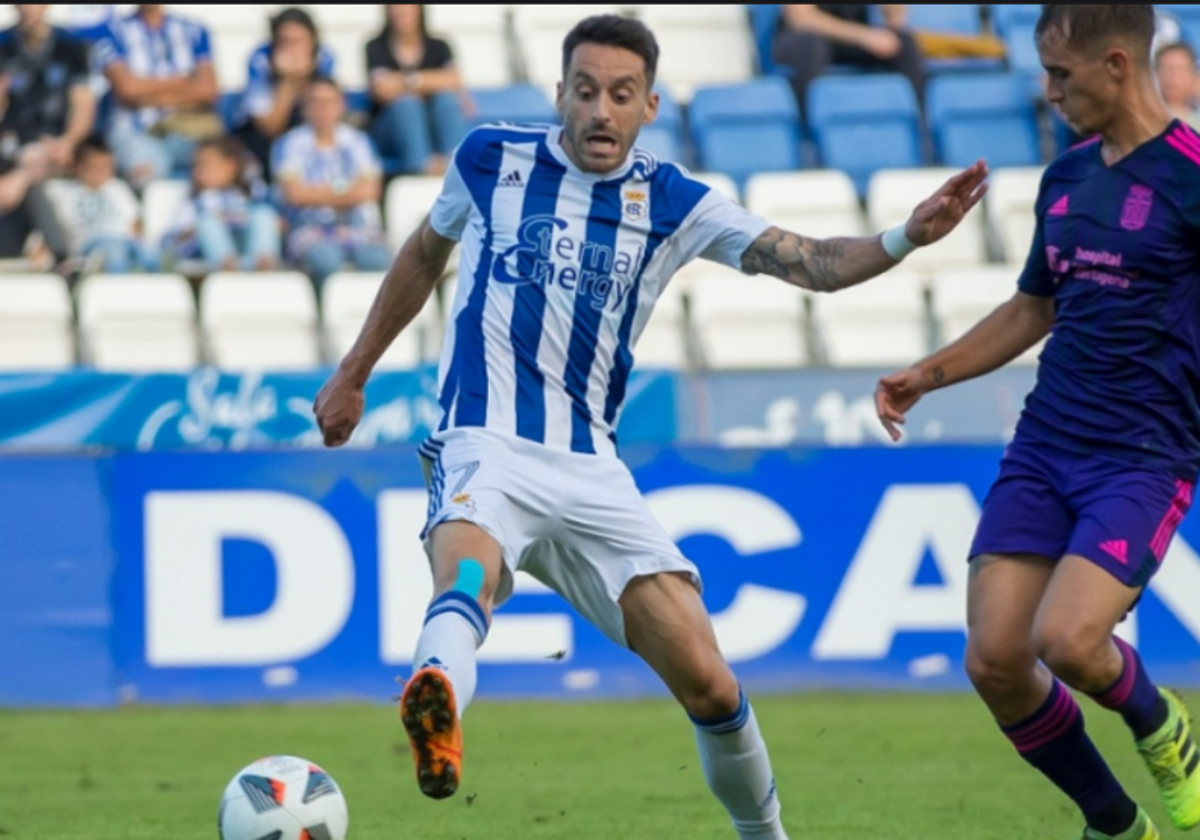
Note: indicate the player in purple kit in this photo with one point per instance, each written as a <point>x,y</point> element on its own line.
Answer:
<point>1106,455</point>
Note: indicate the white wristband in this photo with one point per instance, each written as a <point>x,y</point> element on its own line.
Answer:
<point>897,244</point>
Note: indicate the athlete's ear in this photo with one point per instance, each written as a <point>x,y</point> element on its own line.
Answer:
<point>1117,62</point>
<point>652,102</point>
<point>560,93</point>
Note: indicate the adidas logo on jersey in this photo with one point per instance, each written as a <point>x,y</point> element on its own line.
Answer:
<point>512,179</point>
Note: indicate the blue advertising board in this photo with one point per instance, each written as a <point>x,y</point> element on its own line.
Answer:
<point>300,576</point>
<point>227,577</point>
<point>210,410</point>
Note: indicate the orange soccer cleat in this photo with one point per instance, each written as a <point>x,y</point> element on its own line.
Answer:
<point>430,716</point>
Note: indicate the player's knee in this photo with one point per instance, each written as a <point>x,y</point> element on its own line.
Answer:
<point>467,577</point>
<point>996,669</point>
<point>1071,652</point>
<point>712,696</point>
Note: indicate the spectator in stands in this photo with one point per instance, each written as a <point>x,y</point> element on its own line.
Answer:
<point>279,74</point>
<point>1179,82</point>
<point>46,109</point>
<point>330,183</point>
<point>228,223</point>
<point>103,214</point>
<point>161,73</point>
<point>418,98</point>
<point>811,38</point>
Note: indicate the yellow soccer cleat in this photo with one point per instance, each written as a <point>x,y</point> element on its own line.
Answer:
<point>1142,829</point>
<point>430,716</point>
<point>1174,761</point>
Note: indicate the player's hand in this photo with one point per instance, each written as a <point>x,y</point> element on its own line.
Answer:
<point>339,408</point>
<point>896,395</point>
<point>942,212</point>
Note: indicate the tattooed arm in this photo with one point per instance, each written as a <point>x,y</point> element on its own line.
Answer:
<point>820,265</point>
<point>992,343</point>
<point>827,265</point>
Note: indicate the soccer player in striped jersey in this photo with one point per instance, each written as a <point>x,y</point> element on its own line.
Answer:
<point>1107,452</point>
<point>569,235</point>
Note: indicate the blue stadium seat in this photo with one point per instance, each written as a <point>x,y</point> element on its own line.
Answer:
<point>1187,13</point>
<point>1005,16</point>
<point>358,101</point>
<point>741,130</point>
<point>227,108</point>
<point>865,123</point>
<point>962,19</point>
<point>986,115</point>
<point>518,104</point>
<point>664,137</point>
<point>764,20</point>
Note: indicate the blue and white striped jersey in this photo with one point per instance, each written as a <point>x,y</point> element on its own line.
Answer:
<point>559,272</point>
<point>177,48</point>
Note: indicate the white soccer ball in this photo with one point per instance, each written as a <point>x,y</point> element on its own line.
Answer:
<point>283,798</point>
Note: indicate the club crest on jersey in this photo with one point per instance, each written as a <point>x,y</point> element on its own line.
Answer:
<point>1138,205</point>
<point>635,205</point>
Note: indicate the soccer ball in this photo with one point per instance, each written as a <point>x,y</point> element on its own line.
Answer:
<point>282,798</point>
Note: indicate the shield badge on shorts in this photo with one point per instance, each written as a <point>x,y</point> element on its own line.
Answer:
<point>1137,208</point>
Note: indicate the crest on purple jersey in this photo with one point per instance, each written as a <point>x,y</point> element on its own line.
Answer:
<point>1137,208</point>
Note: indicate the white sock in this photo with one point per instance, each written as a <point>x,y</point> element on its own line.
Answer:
<point>738,770</point>
<point>455,627</point>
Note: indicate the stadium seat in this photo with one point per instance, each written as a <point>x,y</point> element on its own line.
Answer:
<point>408,200</point>
<point>865,123</point>
<point>235,31</point>
<point>1010,205</point>
<point>161,203</point>
<point>878,324</point>
<point>1016,24</point>
<point>960,18</point>
<point>139,323</point>
<point>346,299</point>
<point>260,321</point>
<point>984,115</point>
<point>964,297</point>
<point>701,45</point>
<point>35,323</point>
<point>817,204</point>
<point>540,31</point>
<point>477,35</point>
<point>748,322</point>
<point>1007,15</point>
<point>664,137</point>
<point>893,194</point>
<point>516,104</point>
<point>741,130</point>
<point>664,343</point>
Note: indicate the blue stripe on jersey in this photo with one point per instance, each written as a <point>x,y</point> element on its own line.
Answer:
<point>466,379</point>
<point>604,221</point>
<point>529,302</point>
<point>672,199</point>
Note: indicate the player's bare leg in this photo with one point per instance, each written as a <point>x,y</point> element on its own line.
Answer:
<point>666,624</point>
<point>467,568</point>
<point>1074,636</point>
<point>1036,711</point>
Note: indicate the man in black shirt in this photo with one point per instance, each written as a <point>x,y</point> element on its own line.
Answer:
<point>811,38</point>
<point>46,109</point>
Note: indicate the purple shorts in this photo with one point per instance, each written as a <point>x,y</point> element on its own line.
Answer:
<point>1052,503</point>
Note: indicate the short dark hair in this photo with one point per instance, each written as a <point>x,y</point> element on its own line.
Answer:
<point>1179,46</point>
<point>298,16</point>
<point>91,146</point>
<point>1095,27</point>
<point>614,31</point>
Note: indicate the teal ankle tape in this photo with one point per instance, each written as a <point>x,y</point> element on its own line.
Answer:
<point>470,579</point>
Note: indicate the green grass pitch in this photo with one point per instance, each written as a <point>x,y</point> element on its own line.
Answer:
<point>848,766</point>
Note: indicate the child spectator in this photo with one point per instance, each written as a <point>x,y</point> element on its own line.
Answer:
<point>279,74</point>
<point>330,185</point>
<point>102,214</point>
<point>227,224</point>
<point>417,95</point>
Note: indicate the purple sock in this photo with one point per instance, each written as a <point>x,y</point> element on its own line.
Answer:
<point>1134,696</point>
<point>1054,741</point>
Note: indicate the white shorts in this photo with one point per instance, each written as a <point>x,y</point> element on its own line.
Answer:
<point>577,523</point>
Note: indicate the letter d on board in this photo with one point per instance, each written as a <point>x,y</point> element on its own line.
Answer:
<point>185,625</point>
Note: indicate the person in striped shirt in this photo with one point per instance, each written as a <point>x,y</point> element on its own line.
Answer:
<point>569,234</point>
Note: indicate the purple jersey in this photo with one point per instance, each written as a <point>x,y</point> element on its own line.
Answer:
<point>1118,248</point>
